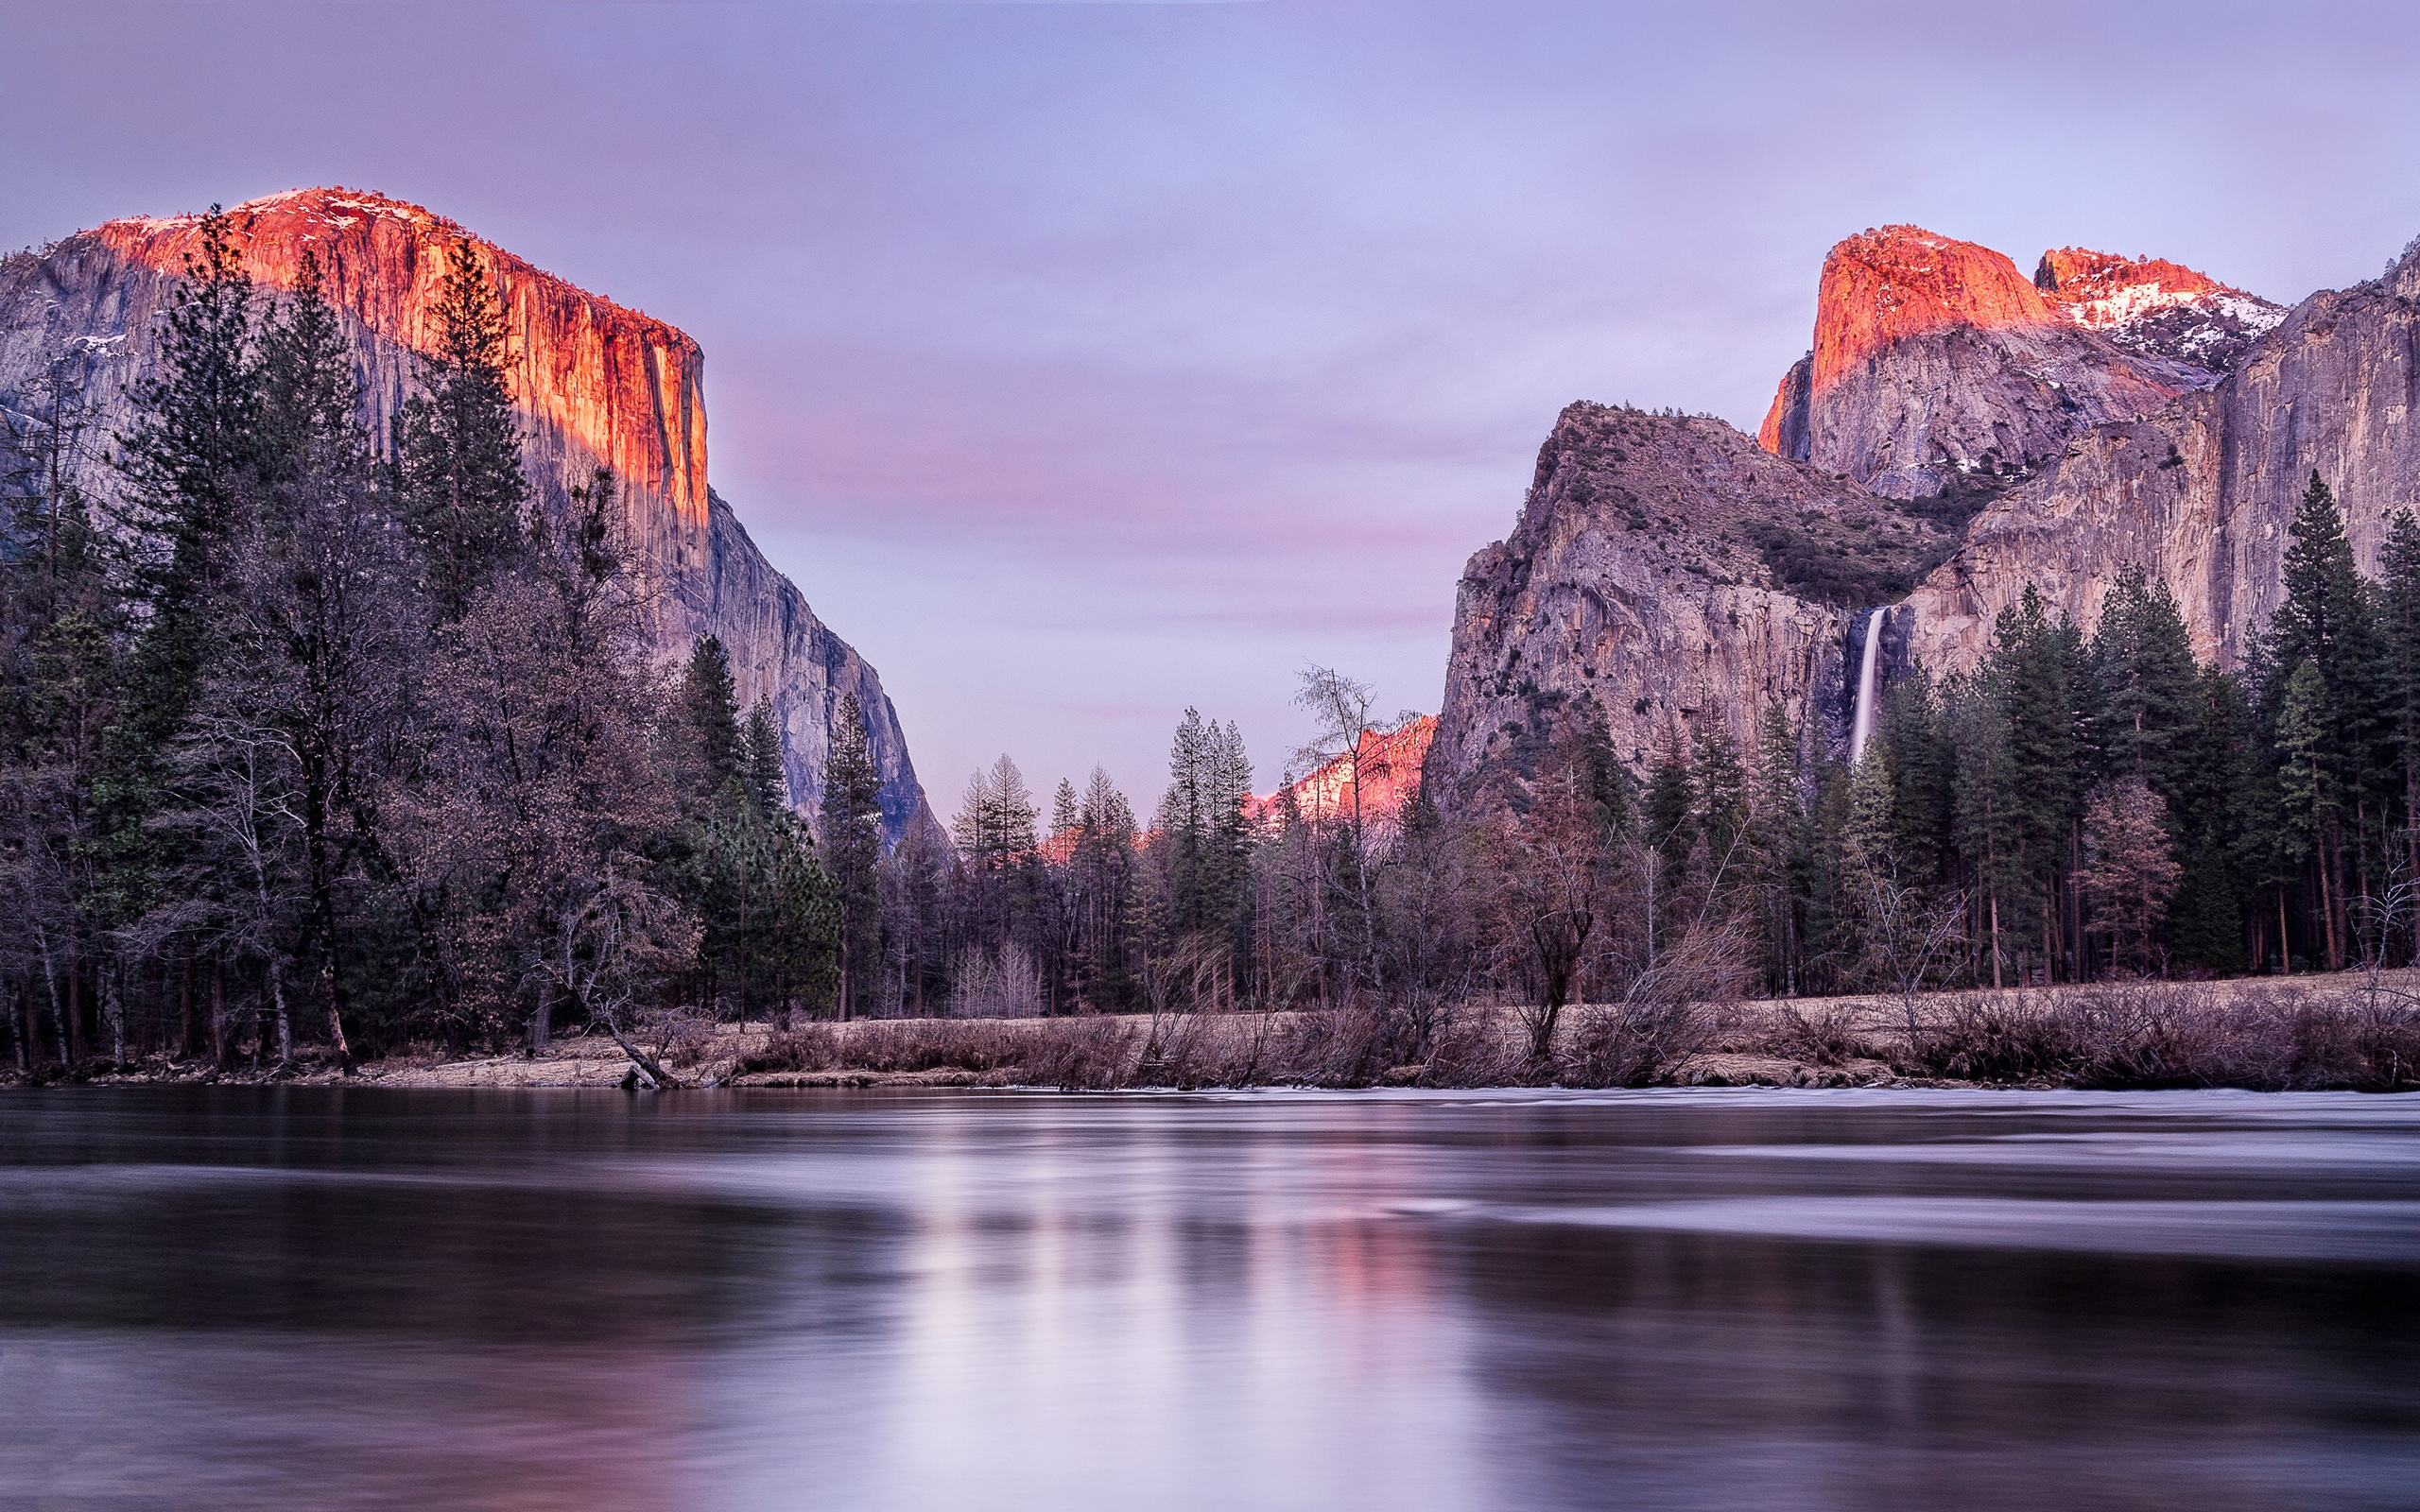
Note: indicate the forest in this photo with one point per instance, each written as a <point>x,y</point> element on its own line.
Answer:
<point>320,744</point>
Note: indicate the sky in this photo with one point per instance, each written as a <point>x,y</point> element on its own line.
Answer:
<point>1083,362</point>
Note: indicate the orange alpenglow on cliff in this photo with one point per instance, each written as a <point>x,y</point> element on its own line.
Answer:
<point>629,388</point>
<point>1389,763</point>
<point>1935,358</point>
<point>1903,281</point>
<point>2098,291</point>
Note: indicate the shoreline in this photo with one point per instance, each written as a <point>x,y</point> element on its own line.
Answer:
<point>2346,1032</point>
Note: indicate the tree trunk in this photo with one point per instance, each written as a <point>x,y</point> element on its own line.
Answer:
<point>1997,982</point>
<point>277,1009</point>
<point>185,1009</point>
<point>57,1013</point>
<point>113,1014</point>
<point>541,1019</point>
<point>217,1012</point>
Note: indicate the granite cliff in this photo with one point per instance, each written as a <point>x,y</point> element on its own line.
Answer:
<point>1666,571</point>
<point>597,385</point>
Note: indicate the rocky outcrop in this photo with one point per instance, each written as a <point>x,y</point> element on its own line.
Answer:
<point>597,385</point>
<point>1937,361</point>
<point>2201,494</point>
<point>1664,572</point>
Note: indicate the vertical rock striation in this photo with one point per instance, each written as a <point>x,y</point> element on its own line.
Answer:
<point>597,385</point>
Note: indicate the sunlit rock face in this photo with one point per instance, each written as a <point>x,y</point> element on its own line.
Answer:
<point>1386,766</point>
<point>597,385</point>
<point>617,385</point>
<point>1935,361</point>
<point>2155,307</point>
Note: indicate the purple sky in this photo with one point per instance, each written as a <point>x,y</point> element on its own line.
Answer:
<point>1081,362</point>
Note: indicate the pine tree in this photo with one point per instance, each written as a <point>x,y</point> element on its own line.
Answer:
<point>1923,803</point>
<point>457,473</point>
<point>768,780</point>
<point>2312,798</point>
<point>710,721</point>
<point>189,463</point>
<point>2144,682</point>
<point>2039,669</point>
<point>2328,619</point>
<point>2399,617</point>
<point>1778,848</point>
<point>851,819</point>
<point>1987,819</point>
<point>1718,791</point>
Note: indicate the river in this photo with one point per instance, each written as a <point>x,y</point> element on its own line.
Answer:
<point>312,1298</point>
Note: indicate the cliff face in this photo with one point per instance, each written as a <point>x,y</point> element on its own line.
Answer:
<point>2201,494</point>
<point>1935,360</point>
<point>597,385</point>
<point>1664,572</point>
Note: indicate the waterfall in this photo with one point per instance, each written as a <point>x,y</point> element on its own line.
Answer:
<point>1863,725</point>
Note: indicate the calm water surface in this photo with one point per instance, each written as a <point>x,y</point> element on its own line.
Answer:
<point>230,1297</point>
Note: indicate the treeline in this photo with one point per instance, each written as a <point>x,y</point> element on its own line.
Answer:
<point>312,734</point>
<point>1201,901</point>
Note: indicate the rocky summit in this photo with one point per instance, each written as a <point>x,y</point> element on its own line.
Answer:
<point>1957,433</point>
<point>1938,366</point>
<point>597,385</point>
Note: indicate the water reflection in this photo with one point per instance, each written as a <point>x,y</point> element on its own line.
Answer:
<point>223,1296</point>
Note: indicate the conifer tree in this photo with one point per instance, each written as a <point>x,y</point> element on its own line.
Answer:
<point>767,780</point>
<point>457,473</point>
<point>2144,681</point>
<point>2312,799</point>
<point>1719,793</point>
<point>710,720</point>
<point>2399,624</point>
<point>851,821</point>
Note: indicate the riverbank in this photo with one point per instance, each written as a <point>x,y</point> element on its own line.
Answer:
<point>2349,1032</point>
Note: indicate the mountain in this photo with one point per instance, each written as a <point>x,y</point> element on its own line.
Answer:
<point>1388,762</point>
<point>1938,365</point>
<point>597,385</point>
<point>1959,432</point>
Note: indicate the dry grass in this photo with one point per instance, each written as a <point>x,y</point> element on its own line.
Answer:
<point>2349,1031</point>
<point>2346,1032</point>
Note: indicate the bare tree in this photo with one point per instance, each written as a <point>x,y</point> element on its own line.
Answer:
<point>2130,868</point>
<point>1546,879</point>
